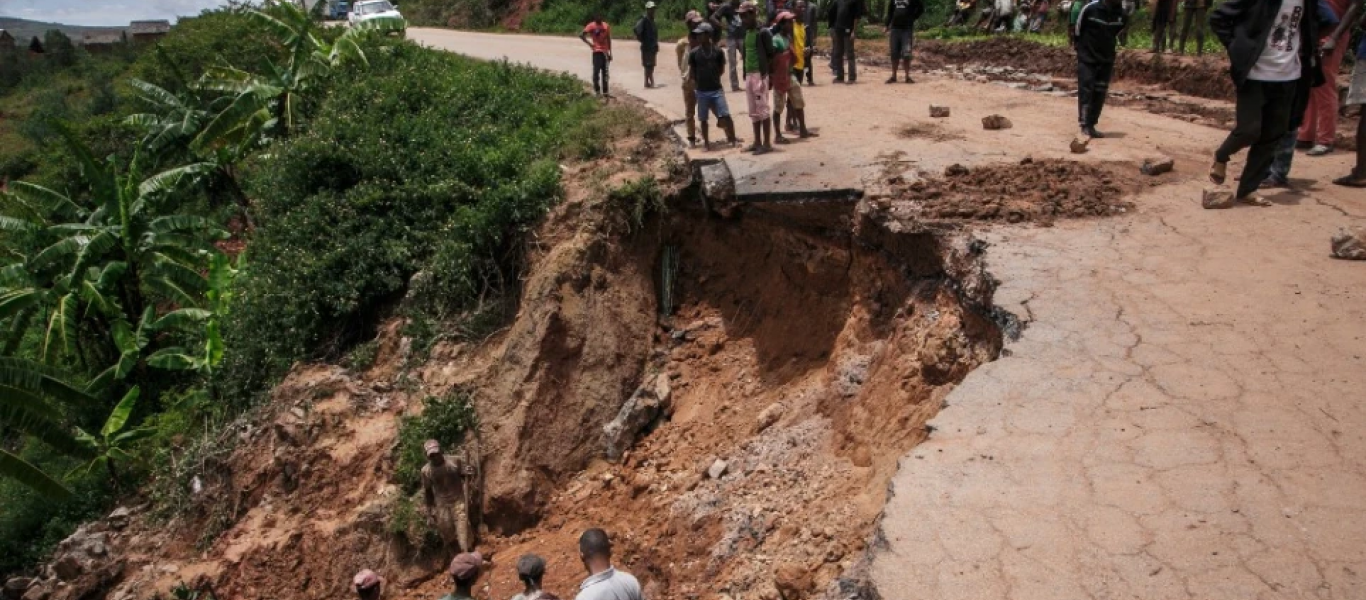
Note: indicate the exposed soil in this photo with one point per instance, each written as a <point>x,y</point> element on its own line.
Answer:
<point>928,131</point>
<point>1032,191</point>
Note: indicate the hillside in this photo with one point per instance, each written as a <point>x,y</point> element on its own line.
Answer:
<point>24,30</point>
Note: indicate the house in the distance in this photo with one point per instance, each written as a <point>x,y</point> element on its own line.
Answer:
<point>103,41</point>
<point>7,43</point>
<point>148,31</point>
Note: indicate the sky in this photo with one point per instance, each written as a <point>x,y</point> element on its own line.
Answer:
<point>102,12</point>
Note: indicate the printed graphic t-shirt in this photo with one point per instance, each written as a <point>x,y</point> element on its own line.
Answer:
<point>601,36</point>
<point>1280,60</point>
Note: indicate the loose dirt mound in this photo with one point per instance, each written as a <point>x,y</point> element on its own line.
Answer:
<point>1205,77</point>
<point>931,131</point>
<point>1037,191</point>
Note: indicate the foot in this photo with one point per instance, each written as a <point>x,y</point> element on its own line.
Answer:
<point>692,141</point>
<point>1254,200</point>
<point>706,146</point>
<point>1303,145</point>
<point>1319,150</point>
<point>1090,131</point>
<point>1218,172</point>
<point>735,88</point>
<point>892,80</point>
<point>782,139</point>
<point>1274,182</point>
<point>1354,179</point>
<point>909,80</point>
<point>762,150</point>
<point>852,80</point>
<point>839,79</point>
<point>808,134</point>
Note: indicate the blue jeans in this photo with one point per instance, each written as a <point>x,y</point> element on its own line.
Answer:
<point>713,102</point>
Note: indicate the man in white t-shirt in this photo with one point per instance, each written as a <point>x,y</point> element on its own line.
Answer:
<point>1271,44</point>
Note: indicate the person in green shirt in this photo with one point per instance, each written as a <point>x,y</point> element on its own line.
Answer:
<point>465,569</point>
<point>758,50</point>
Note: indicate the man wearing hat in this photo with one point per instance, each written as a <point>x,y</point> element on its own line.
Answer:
<point>367,585</point>
<point>445,488</point>
<point>648,36</point>
<point>530,570</point>
<point>706,65</point>
<point>465,569</point>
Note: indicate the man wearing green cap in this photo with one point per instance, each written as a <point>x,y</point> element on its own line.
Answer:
<point>648,36</point>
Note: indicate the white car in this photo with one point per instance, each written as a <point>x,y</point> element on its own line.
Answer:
<point>367,10</point>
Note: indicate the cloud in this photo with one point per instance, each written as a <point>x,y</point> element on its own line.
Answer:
<point>118,12</point>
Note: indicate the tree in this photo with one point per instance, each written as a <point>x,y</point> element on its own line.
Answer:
<point>27,393</point>
<point>60,49</point>
<point>113,442</point>
<point>35,46</point>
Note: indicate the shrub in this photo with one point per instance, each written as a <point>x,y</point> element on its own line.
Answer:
<point>445,419</point>
<point>32,525</point>
<point>424,162</point>
<point>217,38</point>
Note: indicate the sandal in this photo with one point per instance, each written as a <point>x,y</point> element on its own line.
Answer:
<point>1255,200</point>
<point>1353,180</point>
<point>782,140</point>
<point>1218,172</point>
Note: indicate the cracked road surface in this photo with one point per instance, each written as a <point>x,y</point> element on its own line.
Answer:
<point>1183,416</point>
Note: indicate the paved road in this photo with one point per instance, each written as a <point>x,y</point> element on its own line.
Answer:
<point>1183,418</point>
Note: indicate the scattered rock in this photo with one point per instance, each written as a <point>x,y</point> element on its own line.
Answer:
<point>717,469</point>
<point>994,122</point>
<point>793,582</point>
<point>38,592</point>
<point>639,412</point>
<point>69,567</point>
<point>16,586</point>
<point>769,416</point>
<point>1079,144</point>
<point>1350,243</point>
<point>119,518</point>
<point>938,111</point>
<point>1157,165</point>
<point>955,170</point>
<point>1217,197</point>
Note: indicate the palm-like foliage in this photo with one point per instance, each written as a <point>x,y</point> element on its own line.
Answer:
<point>27,395</point>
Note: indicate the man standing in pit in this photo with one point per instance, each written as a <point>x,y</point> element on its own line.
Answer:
<point>598,35</point>
<point>842,18</point>
<point>1271,46</point>
<point>1095,34</point>
<point>647,33</point>
<point>1195,15</point>
<point>446,492</point>
<point>900,28</point>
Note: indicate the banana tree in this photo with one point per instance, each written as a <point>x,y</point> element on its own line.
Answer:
<point>30,395</point>
<point>113,443</point>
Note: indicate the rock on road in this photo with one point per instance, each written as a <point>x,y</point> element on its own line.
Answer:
<point>1183,417</point>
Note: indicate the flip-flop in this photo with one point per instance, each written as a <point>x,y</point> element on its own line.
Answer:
<point>762,151</point>
<point>1218,173</point>
<point>1351,181</point>
<point>782,140</point>
<point>809,135</point>
<point>1255,200</point>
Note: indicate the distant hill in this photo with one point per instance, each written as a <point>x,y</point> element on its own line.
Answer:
<point>23,30</point>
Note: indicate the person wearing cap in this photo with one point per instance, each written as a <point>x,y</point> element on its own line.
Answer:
<point>780,74</point>
<point>900,28</point>
<point>604,581</point>
<point>706,64</point>
<point>647,33</point>
<point>531,570</point>
<point>598,35</point>
<point>446,482</point>
<point>842,18</point>
<point>758,52</point>
<point>465,569</point>
<point>683,49</point>
<point>367,585</point>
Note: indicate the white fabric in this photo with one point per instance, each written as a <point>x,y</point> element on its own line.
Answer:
<point>1280,60</point>
<point>610,585</point>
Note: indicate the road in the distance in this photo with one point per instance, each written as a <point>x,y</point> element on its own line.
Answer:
<point>1184,417</point>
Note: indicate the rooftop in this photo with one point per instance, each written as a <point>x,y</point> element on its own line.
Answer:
<point>149,27</point>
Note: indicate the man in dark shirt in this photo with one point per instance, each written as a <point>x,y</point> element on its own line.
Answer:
<point>706,64</point>
<point>1095,34</point>
<point>647,33</point>
<point>842,18</point>
<point>727,15</point>
<point>900,28</point>
<point>809,13</point>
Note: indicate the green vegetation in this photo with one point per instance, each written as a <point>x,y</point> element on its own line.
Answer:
<point>446,418</point>
<point>347,163</point>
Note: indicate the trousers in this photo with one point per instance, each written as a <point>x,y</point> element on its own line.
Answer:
<point>1196,17</point>
<point>733,58</point>
<point>599,72</point>
<point>1093,85</point>
<point>1263,115</point>
<point>841,50</point>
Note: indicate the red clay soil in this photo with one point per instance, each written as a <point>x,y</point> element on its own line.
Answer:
<point>1033,191</point>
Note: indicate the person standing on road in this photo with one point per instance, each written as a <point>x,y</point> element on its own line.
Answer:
<point>598,35</point>
<point>445,490</point>
<point>1095,34</point>
<point>900,28</point>
<point>801,51</point>
<point>843,20</point>
<point>1195,16</point>
<point>1164,19</point>
<point>1278,175</point>
<point>1356,93</point>
<point>808,14</point>
<point>647,33</point>
<point>758,52</point>
<point>706,64</point>
<point>683,50</point>
<point>1320,129</point>
<point>780,70</point>
<point>604,581</point>
<point>728,15</point>
<point>1271,46</point>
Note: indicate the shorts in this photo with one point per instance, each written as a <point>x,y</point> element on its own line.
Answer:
<point>901,40</point>
<point>756,94</point>
<point>647,58</point>
<point>713,102</point>
<point>1356,90</point>
<point>794,95</point>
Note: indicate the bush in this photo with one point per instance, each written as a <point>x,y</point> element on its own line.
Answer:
<point>445,419</point>
<point>218,38</point>
<point>569,17</point>
<point>424,162</point>
<point>32,525</point>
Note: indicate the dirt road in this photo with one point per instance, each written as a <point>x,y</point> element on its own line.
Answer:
<point>1182,417</point>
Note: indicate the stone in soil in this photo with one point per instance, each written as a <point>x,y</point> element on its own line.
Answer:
<point>938,111</point>
<point>717,469</point>
<point>1079,144</point>
<point>994,122</point>
<point>1217,197</point>
<point>1350,243</point>
<point>1157,165</point>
